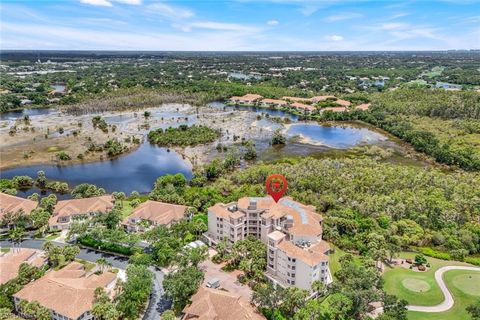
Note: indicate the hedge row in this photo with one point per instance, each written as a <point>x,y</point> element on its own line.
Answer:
<point>446,256</point>
<point>88,241</point>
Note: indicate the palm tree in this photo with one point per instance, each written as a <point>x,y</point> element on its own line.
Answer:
<point>102,263</point>
<point>16,235</point>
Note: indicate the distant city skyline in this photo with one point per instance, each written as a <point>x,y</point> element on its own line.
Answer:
<point>240,25</point>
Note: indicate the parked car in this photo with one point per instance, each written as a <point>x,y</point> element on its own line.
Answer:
<point>213,283</point>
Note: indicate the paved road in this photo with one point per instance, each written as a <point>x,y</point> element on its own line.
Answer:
<point>157,303</point>
<point>448,302</point>
<point>85,254</point>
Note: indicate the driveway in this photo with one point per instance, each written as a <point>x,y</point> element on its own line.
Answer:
<point>228,281</point>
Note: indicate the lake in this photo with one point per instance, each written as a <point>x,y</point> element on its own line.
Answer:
<point>334,136</point>
<point>135,171</point>
<point>13,115</point>
<point>139,169</point>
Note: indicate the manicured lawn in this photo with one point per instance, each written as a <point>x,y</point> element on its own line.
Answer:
<point>465,289</point>
<point>127,209</point>
<point>419,288</point>
<point>334,260</point>
<point>88,265</point>
<point>4,250</point>
<point>52,236</point>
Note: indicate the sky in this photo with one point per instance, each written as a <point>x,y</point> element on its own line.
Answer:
<point>240,25</point>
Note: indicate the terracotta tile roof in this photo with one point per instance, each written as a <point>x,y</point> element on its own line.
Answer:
<point>305,220</point>
<point>221,210</point>
<point>343,103</point>
<point>73,207</point>
<point>335,109</point>
<point>159,213</point>
<point>212,304</point>
<point>11,261</point>
<point>296,99</point>
<point>276,235</point>
<point>320,98</point>
<point>275,101</point>
<point>68,291</point>
<point>302,106</point>
<point>13,204</point>
<point>248,97</point>
<point>262,203</point>
<point>363,106</point>
<point>312,255</point>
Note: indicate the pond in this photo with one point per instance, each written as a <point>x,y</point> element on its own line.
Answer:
<point>334,136</point>
<point>270,112</point>
<point>135,171</point>
<point>13,115</point>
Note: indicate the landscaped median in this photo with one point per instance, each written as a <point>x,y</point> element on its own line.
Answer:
<point>90,242</point>
<point>421,288</point>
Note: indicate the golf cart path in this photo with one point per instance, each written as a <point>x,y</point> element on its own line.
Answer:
<point>448,302</point>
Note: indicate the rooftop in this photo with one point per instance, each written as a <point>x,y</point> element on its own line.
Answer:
<point>212,304</point>
<point>10,262</point>
<point>68,291</point>
<point>312,255</point>
<point>81,206</point>
<point>13,204</point>
<point>158,212</point>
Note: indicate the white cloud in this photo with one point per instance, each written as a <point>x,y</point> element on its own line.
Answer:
<point>272,22</point>
<point>170,12</point>
<point>334,37</point>
<point>343,16</point>
<point>30,36</point>
<point>102,3</point>
<point>108,3</point>
<point>132,2</point>
<point>212,25</point>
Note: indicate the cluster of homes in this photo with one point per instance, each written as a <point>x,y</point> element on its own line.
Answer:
<point>68,293</point>
<point>66,211</point>
<point>296,254</point>
<point>304,105</point>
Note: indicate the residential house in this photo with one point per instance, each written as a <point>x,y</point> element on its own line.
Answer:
<point>303,107</point>
<point>213,304</point>
<point>68,293</point>
<point>13,204</point>
<point>363,106</point>
<point>276,103</point>
<point>317,99</point>
<point>297,255</point>
<point>246,99</point>
<point>154,213</point>
<point>334,109</point>
<point>295,99</point>
<point>10,262</point>
<point>67,210</point>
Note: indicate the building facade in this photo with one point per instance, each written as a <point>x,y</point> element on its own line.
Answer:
<point>67,210</point>
<point>297,255</point>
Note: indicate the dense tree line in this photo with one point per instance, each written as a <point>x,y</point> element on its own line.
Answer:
<point>183,136</point>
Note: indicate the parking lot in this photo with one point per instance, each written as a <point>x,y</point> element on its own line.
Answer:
<point>228,281</point>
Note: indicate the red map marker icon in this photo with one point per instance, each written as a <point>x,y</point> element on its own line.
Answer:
<point>276,185</point>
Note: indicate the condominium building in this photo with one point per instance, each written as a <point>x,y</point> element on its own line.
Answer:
<point>68,293</point>
<point>213,304</point>
<point>153,213</point>
<point>67,210</point>
<point>297,255</point>
<point>13,204</point>
<point>10,261</point>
